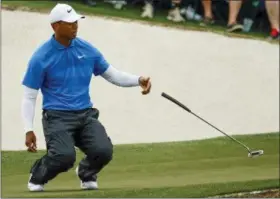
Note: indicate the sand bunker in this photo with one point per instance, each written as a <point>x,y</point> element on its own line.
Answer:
<point>233,83</point>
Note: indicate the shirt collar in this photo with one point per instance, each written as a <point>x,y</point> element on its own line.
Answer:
<point>59,46</point>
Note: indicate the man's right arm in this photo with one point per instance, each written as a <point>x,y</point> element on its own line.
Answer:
<point>32,82</point>
<point>28,107</point>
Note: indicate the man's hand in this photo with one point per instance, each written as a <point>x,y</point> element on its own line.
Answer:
<point>30,141</point>
<point>146,85</point>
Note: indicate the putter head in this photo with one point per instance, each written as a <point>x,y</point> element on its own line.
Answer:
<point>255,153</point>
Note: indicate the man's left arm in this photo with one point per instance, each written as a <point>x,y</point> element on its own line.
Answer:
<point>119,78</point>
<point>124,79</point>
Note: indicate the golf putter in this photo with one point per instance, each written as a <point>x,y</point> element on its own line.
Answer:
<point>251,153</point>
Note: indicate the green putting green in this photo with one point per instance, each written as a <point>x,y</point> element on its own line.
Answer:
<point>175,169</point>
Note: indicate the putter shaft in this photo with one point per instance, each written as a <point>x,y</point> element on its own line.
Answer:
<point>188,110</point>
<point>246,147</point>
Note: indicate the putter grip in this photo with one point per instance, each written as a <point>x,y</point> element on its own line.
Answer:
<point>175,101</point>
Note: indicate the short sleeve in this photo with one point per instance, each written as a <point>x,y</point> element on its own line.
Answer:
<point>100,64</point>
<point>34,74</point>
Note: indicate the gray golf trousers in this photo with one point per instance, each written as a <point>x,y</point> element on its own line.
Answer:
<point>63,131</point>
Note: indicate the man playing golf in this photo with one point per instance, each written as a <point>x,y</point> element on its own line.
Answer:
<point>62,68</point>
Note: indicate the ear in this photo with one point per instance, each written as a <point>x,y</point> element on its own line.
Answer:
<point>55,26</point>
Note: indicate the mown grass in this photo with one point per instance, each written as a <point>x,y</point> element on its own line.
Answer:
<point>176,169</point>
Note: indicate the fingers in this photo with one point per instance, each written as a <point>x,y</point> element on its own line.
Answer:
<point>30,142</point>
<point>27,143</point>
<point>145,84</point>
<point>31,146</point>
<point>147,88</point>
<point>34,147</point>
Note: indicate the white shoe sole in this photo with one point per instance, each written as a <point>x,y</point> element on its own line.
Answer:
<point>34,187</point>
<point>86,185</point>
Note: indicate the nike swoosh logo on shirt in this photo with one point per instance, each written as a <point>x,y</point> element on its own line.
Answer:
<point>81,56</point>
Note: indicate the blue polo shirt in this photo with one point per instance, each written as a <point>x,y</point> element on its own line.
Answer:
<point>64,73</point>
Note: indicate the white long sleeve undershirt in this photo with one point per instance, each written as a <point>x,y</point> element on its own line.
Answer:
<point>28,107</point>
<point>112,75</point>
<point>120,78</point>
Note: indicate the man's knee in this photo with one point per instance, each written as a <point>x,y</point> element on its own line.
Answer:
<point>68,158</point>
<point>101,154</point>
<point>105,154</point>
<point>65,159</point>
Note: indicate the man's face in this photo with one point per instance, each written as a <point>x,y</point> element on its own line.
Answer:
<point>66,30</point>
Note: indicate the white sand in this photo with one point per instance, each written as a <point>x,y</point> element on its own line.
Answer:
<point>233,83</point>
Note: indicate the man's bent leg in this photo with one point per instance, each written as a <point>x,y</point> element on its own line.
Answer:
<point>95,143</point>
<point>61,155</point>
